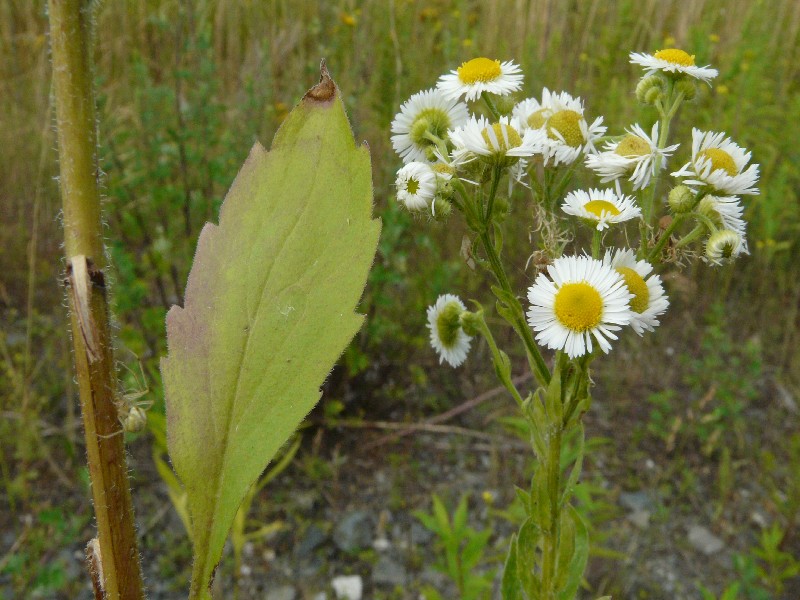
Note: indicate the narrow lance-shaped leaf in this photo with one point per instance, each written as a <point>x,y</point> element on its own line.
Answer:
<point>270,306</point>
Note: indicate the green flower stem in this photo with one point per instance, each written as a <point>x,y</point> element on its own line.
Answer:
<point>691,236</point>
<point>519,323</point>
<point>709,224</point>
<point>491,106</point>
<point>596,235</point>
<point>663,135</point>
<point>538,366</point>
<point>655,253</point>
<point>501,364</point>
<point>551,537</point>
<point>496,173</point>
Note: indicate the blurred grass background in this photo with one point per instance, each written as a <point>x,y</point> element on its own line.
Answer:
<point>185,88</point>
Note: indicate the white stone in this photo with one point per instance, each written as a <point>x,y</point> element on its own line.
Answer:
<point>348,587</point>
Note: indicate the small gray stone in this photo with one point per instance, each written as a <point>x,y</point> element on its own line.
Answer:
<point>420,536</point>
<point>354,532</point>
<point>313,538</point>
<point>643,500</point>
<point>285,592</point>
<point>704,541</point>
<point>640,518</point>
<point>389,572</point>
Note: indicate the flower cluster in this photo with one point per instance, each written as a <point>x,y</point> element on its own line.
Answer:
<point>472,128</point>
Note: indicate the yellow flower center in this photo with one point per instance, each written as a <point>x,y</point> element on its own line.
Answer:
<point>599,208</point>
<point>636,286</point>
<point>479,70</point>
<point>578,306</point>
<point>412,186</point>
<point>538,119</point>
<point>443,169</point>
<point>633,146</point>
<point>448,324</point>
<point>676,57</point>
<point>514,140</point>
<point>568,124</point>
<point>719,160</point>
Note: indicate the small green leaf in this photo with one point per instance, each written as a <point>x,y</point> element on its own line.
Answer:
<point>527,543</point>
<point>442,518</point>
<point>580,555</point>
<point>460,517</point>
<point>575,473</point>
<point>269,307</point>
<point>510,587</point>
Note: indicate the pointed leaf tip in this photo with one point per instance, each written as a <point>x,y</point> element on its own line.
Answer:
<point>325,91</point>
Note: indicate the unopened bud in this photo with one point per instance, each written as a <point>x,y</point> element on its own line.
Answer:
<point>441,208</point>
<point>650,89</point>
<point>500,209</point>
<point>687,86</point>
<point>471,323</point>
<point>681,199</point>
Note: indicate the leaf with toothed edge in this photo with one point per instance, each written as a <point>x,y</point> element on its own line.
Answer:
<point>269,308</point>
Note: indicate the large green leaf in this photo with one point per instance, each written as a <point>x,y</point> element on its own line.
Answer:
<point>270,306</point>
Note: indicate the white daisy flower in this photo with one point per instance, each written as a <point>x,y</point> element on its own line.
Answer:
<point>447,336</point>
<point>674,62</point>
<point>532,113</point>
<point>416,185</point>
<point>719,163</point>
<point>581,299</point>
<point>501,142</point>
<point>634,154</point>
<point>561,118</point>
<point>480,75</point>
<point>724,246</point>
<point>600,207</point>
<point>649,300</point>
<point>726,211</point>
<point>426,113</point>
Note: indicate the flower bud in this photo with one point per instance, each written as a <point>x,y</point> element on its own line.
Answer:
<point>471,323</point>
<point>650,89</point>
<point>441,208</point>
<point>688,86</point>
<point>500,209</point>
<point>723,245</point>
<point>681,199</point>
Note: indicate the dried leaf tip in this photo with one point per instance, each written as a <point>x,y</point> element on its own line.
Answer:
<point>325,91</point>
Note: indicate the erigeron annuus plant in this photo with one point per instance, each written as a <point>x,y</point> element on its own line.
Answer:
<point>463,152</point>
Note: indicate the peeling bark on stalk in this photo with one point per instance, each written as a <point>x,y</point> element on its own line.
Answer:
<point>115,557</point>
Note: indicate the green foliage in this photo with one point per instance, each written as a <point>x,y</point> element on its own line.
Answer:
<point>721,380</point>
<point>269,308</point>
<point>463,547</point>
<point>30,566</point>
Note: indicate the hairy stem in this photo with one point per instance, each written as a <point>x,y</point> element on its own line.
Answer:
<point>91,334</point>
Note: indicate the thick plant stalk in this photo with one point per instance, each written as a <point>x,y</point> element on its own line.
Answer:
<point>118,560</point>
